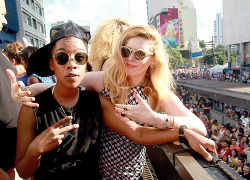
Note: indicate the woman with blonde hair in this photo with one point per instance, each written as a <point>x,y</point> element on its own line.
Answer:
<point>139,72</point>
<point>102,43</point>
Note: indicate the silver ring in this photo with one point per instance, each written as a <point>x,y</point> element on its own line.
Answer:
<point>123,113</point>
<point>18,94</point>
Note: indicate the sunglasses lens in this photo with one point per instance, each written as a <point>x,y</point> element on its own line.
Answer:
<point>62,58</point>
<point>139,55</point>
<point>125,52</point>
<point>81,58</point>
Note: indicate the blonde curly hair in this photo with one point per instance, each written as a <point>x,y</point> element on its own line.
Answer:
<point>158,79</point>
<point>103,41</point>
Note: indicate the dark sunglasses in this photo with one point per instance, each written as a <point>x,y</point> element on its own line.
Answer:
<point>62,58</point>
<point>138,54</point>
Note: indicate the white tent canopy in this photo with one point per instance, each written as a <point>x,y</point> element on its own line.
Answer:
<point>216,69</point>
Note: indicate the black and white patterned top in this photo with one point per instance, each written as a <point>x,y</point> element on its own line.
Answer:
<point>121,158</point>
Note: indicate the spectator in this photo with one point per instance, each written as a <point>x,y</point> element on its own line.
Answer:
<point>33,78</point>
<point>240,165</point>
<point>225,150</point>
<point>244,122</point>
<point>208,105</point>
<point>204,119</point>
<point>239,139</point>
<point>246,171</point>
<point>232,159</point>
<point>233,115</point>
<point>8,111</point>
<point>183,93</point>
<point>215,136</point>
<point>12,52</point>
<point>225,159</point>
<point>235,146</point>
<point>215,125</point>
<point>228,134</point>
<point>244,146</point>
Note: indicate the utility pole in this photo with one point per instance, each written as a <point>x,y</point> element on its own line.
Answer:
<point>213,49</point>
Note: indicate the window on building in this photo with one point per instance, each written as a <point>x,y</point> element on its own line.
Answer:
<point>27,19</point>
<point>29,38</point>
<point>32,4</point>
<point>38,9</point>
<point>36,42</point>
<point>27,2</point>
<point>41,28</point>
<point>34,23</point>
<point>42,44</point>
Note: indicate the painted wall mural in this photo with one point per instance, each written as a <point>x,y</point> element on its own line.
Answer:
<point>170,28</point>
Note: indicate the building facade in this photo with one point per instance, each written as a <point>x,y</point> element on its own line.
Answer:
<point>236,30</point>
<point>25,20</point>
<point>218,29</point>
<point>176,21</point>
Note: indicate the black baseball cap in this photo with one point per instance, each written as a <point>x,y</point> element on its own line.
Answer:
<point>39,60</point>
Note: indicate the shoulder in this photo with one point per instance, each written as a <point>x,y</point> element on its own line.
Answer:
<point>93,81</point>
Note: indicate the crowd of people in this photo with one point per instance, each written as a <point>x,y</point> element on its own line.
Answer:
<point>184,74</point>
<point>90,124</point>
<point>232,141</point>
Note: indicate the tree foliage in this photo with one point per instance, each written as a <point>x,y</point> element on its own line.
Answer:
<point>175,57</point>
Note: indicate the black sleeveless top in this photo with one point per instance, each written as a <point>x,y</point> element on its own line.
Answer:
<point>78,154</point>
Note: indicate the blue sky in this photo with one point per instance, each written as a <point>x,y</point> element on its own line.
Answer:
<point>91,12</point>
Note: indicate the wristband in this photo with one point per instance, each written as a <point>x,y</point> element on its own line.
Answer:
<point>182,138</point>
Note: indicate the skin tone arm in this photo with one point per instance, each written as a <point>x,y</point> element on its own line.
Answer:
<point>151,136</point>
<point>171,106</point>
<point>30,147</point>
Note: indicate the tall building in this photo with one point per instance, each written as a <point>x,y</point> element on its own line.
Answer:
<point>236,30</point>
<point>176,21</point>
<point>25,20</point>
<point>218,29</point>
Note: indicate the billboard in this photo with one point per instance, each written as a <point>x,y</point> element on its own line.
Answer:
<point>169,26</point>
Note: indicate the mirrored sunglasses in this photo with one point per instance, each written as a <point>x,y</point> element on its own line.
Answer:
<point>138,53</point>
<point>62,58</point>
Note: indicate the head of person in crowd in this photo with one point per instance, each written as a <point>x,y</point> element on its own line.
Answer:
<point>240,161</point>
<point>234,153</point>
<point>239,137</point>
<point>246,169</point>
<point>225,143</point>
<point>214,121</point>
<point>3,12</point>
<point>245,140</point>
<point>139,57</point>
<point>102,43</point>
<point>223,127</point>
<point>225,159</point>
<point>233,141</point>
<point>245,114</point>
<point>12,51</point>
<point>24,57</point>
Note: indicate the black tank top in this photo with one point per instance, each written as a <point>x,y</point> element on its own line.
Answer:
<point>78,155</point>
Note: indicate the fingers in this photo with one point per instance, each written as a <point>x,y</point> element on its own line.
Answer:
<point>139,98</point>
<point>63,121</point>
<point>68,128</point>
<point>30,104</point>
<point>205,154</point>
<point>12,76</point>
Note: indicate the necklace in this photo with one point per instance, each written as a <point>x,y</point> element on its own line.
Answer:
<point>70,122</point>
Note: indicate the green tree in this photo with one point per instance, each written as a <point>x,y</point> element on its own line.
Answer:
<point>220,58</point>
<point>208,57</point>
<point>175,57</point>
<point>202,44</point>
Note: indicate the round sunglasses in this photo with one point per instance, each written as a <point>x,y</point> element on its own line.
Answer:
<point>138,53</point>
<point>62,58</point>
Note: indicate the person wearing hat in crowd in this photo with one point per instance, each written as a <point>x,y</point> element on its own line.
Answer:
<point>121,157</point>
<point>9,110</point>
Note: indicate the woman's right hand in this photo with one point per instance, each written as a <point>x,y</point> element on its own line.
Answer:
<point>17,94</point>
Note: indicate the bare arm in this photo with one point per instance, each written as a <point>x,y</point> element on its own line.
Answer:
<point>172,106</point>
<point>148,135</point>
<point>30,147</point>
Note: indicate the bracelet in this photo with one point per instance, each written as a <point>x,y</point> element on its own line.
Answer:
<point>28,88</point>
<point>168,122</point>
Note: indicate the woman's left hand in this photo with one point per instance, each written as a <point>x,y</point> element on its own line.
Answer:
<point>141,113</point>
